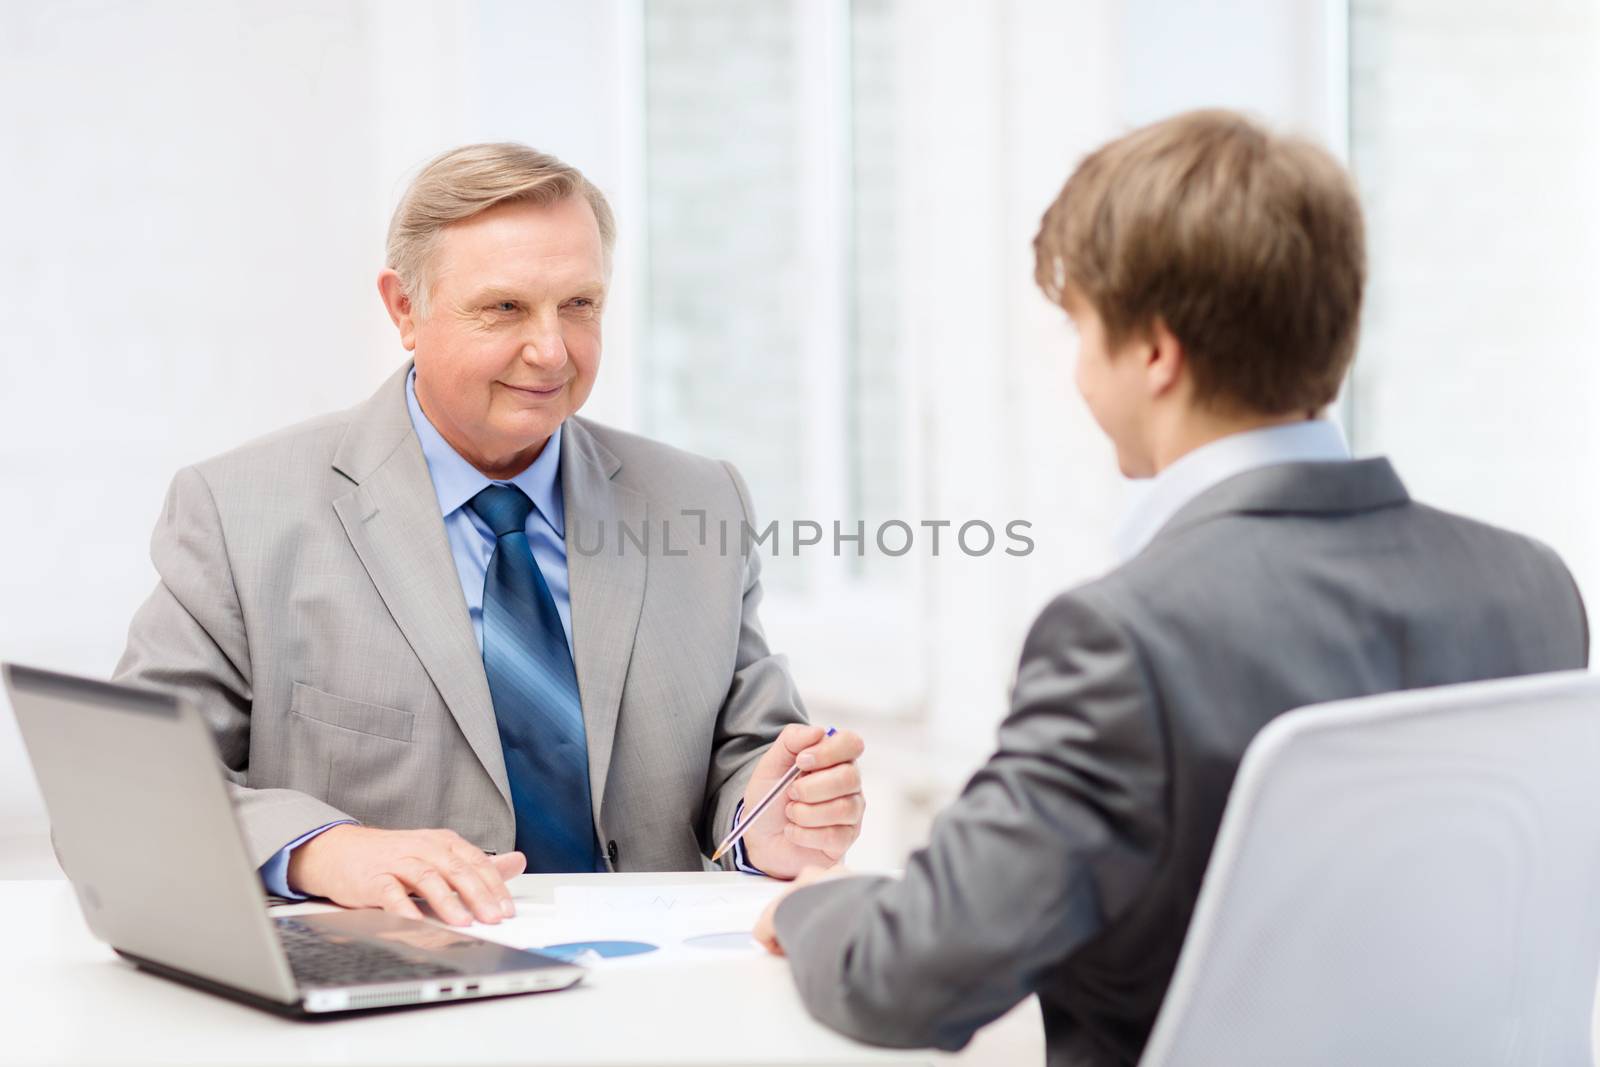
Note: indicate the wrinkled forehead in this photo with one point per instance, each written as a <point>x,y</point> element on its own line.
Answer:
<point>524,249</point>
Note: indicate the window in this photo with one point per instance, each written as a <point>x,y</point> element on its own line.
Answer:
<point>770,325</point>
<point>1475,138</point>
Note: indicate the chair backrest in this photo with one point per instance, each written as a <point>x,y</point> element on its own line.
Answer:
<point>1408,879</point>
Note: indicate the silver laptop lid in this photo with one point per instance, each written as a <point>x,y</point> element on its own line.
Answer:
<point>145,829</point>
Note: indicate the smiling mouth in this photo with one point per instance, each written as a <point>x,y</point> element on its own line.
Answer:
<point>531,391</point>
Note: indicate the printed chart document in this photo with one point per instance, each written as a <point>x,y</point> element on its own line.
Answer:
<point>640,925</point>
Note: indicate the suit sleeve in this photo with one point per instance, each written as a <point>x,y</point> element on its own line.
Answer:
<point>1055,836</point>
<point>761,700</point>
<point>189,637</point>
<point>1580,609</point>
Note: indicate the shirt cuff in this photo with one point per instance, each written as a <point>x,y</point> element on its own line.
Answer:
<point>275,872</point>
<point>741,859</point>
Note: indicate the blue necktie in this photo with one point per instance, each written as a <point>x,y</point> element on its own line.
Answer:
<point>535,692</point>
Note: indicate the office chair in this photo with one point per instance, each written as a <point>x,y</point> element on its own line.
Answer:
<point>1410,879</point>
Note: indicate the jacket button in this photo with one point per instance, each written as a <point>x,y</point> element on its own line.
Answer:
<point>611,852</point>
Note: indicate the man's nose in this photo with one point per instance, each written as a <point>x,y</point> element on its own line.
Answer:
<point>544,347</point>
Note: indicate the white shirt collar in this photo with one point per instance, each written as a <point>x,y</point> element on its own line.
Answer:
<point>1312,441</point>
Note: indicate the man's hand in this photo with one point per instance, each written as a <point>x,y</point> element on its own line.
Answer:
<point>820,818</point>
<point>765,932</point>
<point>361,867</point>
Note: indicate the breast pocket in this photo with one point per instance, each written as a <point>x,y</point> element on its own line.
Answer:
<point>354,715</point>
<point>359,756</point>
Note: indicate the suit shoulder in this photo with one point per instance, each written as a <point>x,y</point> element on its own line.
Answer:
<point>1486,536</point>
<point>1182,573</point>
<point>1517,556</point>
<point>636,450</point>
<point>286,452</point>
<point>658,469</point>
<point>1090,612</point>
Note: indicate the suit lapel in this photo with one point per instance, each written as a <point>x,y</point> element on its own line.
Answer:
<point>392,519</point>
<point>607,587</point>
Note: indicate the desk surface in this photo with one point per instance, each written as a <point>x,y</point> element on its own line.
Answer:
<point>67,999</point>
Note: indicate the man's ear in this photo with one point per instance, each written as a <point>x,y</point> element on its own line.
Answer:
<point>1166,362</point>
<point>398,305</point>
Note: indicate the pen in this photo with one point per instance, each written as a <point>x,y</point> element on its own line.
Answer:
<point>750,816</point>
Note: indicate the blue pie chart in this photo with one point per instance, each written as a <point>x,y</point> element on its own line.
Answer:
<point>609,950</point>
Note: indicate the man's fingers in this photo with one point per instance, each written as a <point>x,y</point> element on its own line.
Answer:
<point>492,879</point>
<point>831,841</point>
<point>393,898</point>
<point>766,932</point>
<point>841,811</point>
<point>820,786</point>
<point>813,875</point>
<point>844,746</point>
<point>422,877</point>
<point>779,757</point>
<point>387,868</point>
<point>797,738</point>
<point>467,879</point>
<point>509,864</point>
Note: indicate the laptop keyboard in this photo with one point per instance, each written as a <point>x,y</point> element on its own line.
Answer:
<point>319,962</point>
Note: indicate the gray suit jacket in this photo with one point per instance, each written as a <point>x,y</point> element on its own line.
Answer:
<point>1071,862</point>
<point>308,603</point>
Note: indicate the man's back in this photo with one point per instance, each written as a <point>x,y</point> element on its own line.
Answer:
<point>1072,862</point>
<point>1283,587</point>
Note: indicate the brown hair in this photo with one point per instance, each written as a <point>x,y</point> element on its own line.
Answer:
<point>1249,247</point>
<point>472,179</point>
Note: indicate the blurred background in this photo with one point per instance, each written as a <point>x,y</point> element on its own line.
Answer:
<point>824,274</point>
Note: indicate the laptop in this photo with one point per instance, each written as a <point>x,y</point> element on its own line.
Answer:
<point>145,830</point>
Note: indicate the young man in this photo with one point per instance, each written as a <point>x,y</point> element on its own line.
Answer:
<point>1214,272</point>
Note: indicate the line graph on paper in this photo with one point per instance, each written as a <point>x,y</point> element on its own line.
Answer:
<point>670,900</point>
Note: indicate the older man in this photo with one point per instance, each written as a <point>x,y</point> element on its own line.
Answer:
<point>436,627</point>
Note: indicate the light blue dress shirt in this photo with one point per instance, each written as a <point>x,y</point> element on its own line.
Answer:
<point>455,483</point>
<point>1311,441</point>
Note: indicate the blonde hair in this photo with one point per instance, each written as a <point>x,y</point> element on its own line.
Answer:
<point>1248,246</point>
<point>467,181</point>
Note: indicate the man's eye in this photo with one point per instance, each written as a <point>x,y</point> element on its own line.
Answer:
<point>581,302</point>
<point>506,305</point>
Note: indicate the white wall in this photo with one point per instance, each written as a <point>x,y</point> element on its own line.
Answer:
<point>198,194</point>
<point>1476,143</point>
<point>1281,60</point>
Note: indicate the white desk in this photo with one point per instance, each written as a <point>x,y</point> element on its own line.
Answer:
<point>67,999</point>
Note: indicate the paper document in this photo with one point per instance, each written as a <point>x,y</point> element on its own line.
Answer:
<point>639,925</point>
